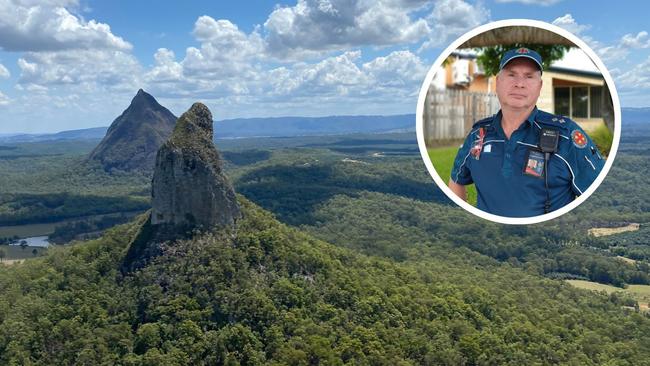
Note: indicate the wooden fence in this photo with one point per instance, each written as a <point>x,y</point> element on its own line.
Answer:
<point>449,114</point>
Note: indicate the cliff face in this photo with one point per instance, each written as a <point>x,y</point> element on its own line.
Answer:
<point>189,188</point>
<point>134,137</point>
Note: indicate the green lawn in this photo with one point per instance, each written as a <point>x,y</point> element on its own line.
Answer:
<point>442,159</point>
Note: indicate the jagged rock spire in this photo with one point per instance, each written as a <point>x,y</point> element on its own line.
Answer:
<point>189,188</point>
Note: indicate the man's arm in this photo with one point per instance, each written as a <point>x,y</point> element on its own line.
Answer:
<point>458,189</point>
<point>584,160</point>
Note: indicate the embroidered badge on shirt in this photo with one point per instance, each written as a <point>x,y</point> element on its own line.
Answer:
<point>535,165</point>
<point>487,148</point>
<point>579,139</point>
<point>478,144</point>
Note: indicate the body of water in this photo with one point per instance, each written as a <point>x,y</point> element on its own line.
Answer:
<point>35,241</point>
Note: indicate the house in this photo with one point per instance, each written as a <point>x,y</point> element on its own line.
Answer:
<point>572,86</point>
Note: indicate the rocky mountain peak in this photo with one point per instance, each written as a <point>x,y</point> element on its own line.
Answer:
<point>189,190</point>
<point>134,137</point>
<point>142,99</point>
<point>194,126</point>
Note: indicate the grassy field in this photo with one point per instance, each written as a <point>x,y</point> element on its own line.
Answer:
<point>443,160</point>
<point>595,286</point>
<point>604,231</point>
<point>640,293</point>
<point>13,252</point>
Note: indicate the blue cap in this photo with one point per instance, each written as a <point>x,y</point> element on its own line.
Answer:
<point>520,52</point>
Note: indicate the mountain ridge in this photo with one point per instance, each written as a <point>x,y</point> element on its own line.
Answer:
<point>132,140</point>
<point>402,122</point>
<point>272,294</point>
<point>630,115</point>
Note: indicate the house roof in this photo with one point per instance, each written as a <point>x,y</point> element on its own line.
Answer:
<point>576,59</point>
<point>518,34</point>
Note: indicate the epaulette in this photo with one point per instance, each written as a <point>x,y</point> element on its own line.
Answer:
<point>483,122</point>
<point>554,120</point>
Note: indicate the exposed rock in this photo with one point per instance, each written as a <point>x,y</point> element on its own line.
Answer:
<point>189,190</point>
<point>134,137</point>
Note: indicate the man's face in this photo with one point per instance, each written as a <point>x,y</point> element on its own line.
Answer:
<point>519,84</point>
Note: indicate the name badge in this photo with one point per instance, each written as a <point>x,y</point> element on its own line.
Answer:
<point>535,164</point>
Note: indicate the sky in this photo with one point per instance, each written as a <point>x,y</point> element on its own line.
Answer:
<point>72,64</point>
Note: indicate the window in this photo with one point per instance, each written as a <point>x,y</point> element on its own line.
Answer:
<point>578,101</point>
<point>596,100</point>
<point>562,101</point>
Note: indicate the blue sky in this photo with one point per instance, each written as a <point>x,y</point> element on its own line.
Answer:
<point>69,64</point>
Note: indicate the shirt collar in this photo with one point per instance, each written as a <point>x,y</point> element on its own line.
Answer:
<point>530,119</point>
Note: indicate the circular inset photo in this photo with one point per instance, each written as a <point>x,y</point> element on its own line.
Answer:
<point>518,121</point>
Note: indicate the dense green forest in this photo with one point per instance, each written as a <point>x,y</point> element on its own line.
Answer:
<point>316,186</point>
<point>274,295</point>
<point>410,278</point>
<point>31,208</point>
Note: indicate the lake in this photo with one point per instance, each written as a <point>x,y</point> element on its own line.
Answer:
<point>35,241</point>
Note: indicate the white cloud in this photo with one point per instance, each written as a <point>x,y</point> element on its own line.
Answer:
<point>225,51</point>
<point>4,100</point>
<point>49,26</point>
<point>166,69</point>
<point>225,63</point>
<point>4,73</point>
<point>71,109</point>
<point>636,78</point>
<point>400,69</point>
<point>226,36</point>
<point>384,82</point>
<point>333,76</point>
<point>567,22</point>
<point>324,25</point>
<point>80,68</point>
<point>614,54</point>
<point>387,81</point>
<point>451,18</point>
<point>641,40</point>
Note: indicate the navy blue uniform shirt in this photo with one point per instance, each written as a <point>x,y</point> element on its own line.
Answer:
<point>508,173</point>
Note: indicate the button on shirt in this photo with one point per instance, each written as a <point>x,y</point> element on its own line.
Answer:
<point>504,186</point>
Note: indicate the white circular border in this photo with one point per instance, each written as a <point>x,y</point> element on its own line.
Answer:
<point>420,123</point>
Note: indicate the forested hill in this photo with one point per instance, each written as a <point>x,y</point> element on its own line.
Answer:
<point>274,295</point>
<point>312,126</point>
<point>256,127</point>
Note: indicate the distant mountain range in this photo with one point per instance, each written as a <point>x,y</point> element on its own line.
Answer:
<point>259,127</point>
<point>312,126</point>
<point>84,134</point>
<point>635,115</point>
<point>291,126</point>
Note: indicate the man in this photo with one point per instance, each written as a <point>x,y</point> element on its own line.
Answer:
<point>523,161</point>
